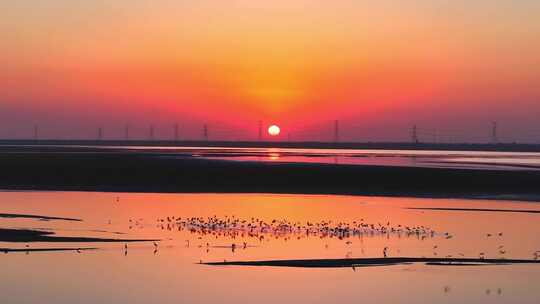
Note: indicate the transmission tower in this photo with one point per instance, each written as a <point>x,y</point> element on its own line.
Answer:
<point>126,132</point>
<point>260,130</point>
<point>36,134</point>
<point>414,135</point>
<point>336,131</point>
<point>494,136</point>
<point>205,132</point>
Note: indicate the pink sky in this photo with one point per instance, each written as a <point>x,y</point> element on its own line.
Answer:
<point>451,67</point>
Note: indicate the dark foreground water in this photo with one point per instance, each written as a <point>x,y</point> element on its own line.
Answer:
<point>170,273</point>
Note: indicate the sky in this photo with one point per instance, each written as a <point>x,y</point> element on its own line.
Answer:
<point>379,67</point>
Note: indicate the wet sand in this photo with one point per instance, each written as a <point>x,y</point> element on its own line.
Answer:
<point>76,169</point>
<point>27,250</point>
<point>364,262</point>
<point>475,210</point>
<point>28,236</point>
<point>39,217</point>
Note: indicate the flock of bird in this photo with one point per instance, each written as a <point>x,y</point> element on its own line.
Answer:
<point>232,228</point>
<point>260,230</point>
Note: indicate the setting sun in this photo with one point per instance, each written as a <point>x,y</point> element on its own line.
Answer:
<point>273,130</point>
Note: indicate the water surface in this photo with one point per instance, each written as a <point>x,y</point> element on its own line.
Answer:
<point>172,273</point>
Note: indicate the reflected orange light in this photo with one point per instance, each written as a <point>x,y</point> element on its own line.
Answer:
<point>273,156</point>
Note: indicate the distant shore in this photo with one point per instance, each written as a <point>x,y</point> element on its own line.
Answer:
<point>80,169</point>
<point>501,147</point>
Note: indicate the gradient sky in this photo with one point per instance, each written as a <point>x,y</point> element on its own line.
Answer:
<point>378,66</point>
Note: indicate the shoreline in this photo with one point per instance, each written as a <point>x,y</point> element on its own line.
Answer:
<point>28,250</point>
<point>366,262</point>
<point>38,217</point>
<point>487,147</point>
<point>10,235</point>
<point>475,210</point>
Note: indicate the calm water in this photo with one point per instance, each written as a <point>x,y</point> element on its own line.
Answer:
<point>172,275</point>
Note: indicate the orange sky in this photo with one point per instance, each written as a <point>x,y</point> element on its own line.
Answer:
<point>70,66</point>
